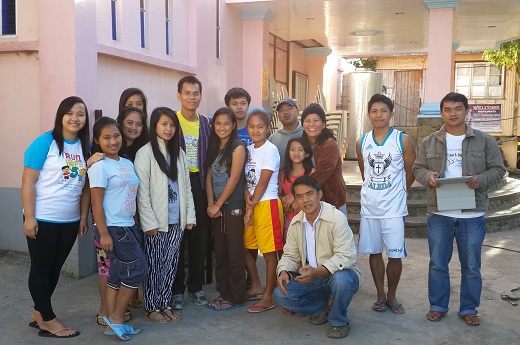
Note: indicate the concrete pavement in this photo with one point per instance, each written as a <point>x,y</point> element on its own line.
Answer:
<point>76,302</point>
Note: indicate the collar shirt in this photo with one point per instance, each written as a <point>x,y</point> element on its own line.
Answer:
<point>310,237</point>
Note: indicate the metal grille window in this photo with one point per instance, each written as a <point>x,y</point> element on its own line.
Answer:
<point>143,23</point>
<point>113,10</point>
<point>8,18</point>
<point>167,11</point>
<point>479,80</point>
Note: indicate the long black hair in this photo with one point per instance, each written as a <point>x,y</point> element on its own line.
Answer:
<point>214,140</point>
<point>83,134</point>
<point>143,139</point>
<point>125,95</point>
<point>173,145</point>
<point>101,123</point>
<point>307,161</point>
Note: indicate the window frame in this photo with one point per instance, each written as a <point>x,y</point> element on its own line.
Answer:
<point>168,22</point>
<point>471,84</point>
<point>142,23</point>
<point>4,16</point>
<point>114,13</point>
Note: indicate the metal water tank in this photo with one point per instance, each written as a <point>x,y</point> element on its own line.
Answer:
<point>358,88</point>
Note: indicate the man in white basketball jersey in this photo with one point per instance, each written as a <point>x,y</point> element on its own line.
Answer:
<point>385,158</point>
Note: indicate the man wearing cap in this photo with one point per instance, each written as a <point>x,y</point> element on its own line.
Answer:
<point>288,116</point>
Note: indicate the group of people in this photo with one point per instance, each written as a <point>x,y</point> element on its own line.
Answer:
<point>156,192</point>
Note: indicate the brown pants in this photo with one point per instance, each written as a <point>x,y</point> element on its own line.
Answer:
<point>228,233</point>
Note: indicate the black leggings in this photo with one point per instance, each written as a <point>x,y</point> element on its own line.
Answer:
<point>48,253</point>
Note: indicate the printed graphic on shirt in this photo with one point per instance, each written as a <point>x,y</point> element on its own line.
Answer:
<point>453,158</point>
<point>250,177</point>
<point>172,195</point>
<point>192,144</point>
<point>379,163</point>
<point>126,174</point>
<point>219,175</point>
<point>73,169</point>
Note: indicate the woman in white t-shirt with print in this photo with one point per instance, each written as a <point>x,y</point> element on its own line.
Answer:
<point>264,213</point>
<point>56,204</point>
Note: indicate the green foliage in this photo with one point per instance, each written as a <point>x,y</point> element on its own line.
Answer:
<point>368,63</point>
<point>507,55</point>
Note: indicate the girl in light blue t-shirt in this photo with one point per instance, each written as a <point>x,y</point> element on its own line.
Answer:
<point>113,185</point>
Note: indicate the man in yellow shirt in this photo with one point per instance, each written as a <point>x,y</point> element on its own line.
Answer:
<point>194,136</point>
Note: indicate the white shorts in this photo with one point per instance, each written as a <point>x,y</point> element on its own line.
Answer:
<point>374,232</point>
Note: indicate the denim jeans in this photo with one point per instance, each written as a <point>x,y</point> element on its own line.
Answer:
<point>312,298</point>
<point>469,234</point>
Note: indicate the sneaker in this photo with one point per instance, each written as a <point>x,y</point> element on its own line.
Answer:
<point>177,302</point>
<point>198,298</point>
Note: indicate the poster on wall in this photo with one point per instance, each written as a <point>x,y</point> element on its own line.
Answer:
<point>485,117</point>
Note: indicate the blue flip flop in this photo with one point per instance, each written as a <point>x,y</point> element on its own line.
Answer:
<point>132,330</point>
<point>119,329</point>
<point>221,302</point>
<point>395,308</point>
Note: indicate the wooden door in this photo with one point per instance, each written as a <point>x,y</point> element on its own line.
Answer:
<point>407,99</point>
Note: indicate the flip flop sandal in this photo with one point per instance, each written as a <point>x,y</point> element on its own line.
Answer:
<point>215,301</point>
<point>128,316</point>
<point>99,320</point>
<point>34,324</point>
<point>380,306</point>
<point>223,305</point>
<point>435,316</point>
<point>259,308</point>
<point>471,320</point>
<point>48,334</point>
<point>128,330</point>
<point>118,328</point>
<point>395,308</point>
<point>148,313</point>
<point>135,303</point>
<point>176,315</point>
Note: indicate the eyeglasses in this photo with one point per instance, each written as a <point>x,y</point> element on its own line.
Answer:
<point>189,94</point>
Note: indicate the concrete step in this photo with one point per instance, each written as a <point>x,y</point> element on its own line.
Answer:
<point>505,197</point>
<point>501,219</point>
<point>418,192</point>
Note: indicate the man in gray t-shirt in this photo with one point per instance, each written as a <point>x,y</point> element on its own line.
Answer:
<point>292,128</point>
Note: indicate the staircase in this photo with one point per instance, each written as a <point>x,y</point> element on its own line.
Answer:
<point>503,212</point>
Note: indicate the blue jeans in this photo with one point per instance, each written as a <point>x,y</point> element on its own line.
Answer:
<point>312,298</point>
<point>469,234</point>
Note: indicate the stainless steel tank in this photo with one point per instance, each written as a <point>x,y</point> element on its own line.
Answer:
<point>358,88</point>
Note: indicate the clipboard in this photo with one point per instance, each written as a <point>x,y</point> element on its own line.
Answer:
<point>454,194</point>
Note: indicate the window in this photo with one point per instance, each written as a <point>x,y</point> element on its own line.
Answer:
<point>479,80</point>
<point>219,33</point>
<point>113,8</point>
<point>168,13</point>
<point>143,23</point>
<point>279,61</point>
<point>8,18</point>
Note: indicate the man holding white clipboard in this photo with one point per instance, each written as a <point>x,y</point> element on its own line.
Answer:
<point>455,151</point>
